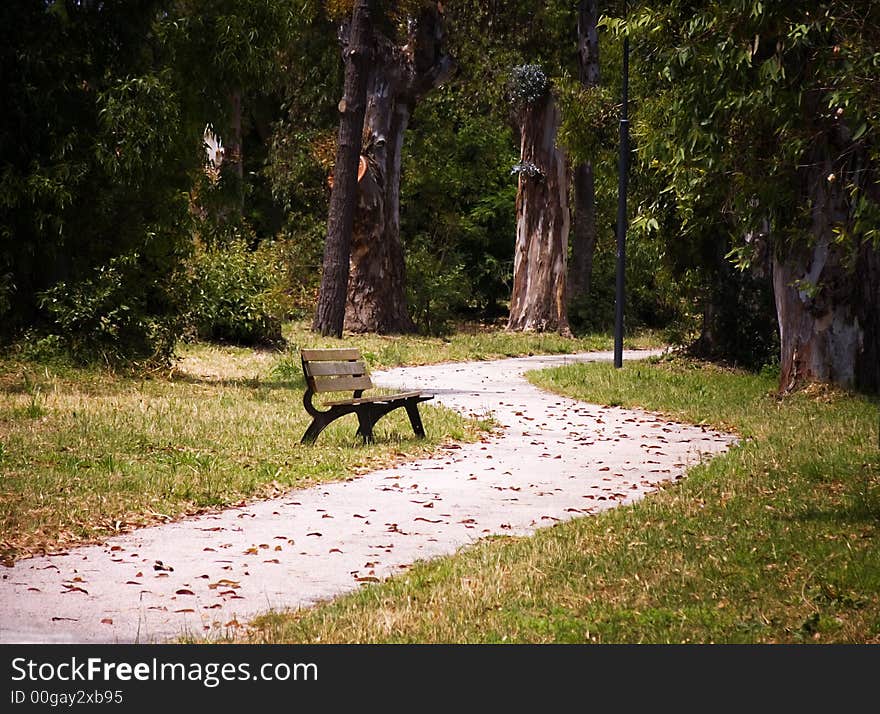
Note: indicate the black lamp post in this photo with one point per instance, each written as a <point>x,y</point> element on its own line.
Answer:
<point>621,207</point>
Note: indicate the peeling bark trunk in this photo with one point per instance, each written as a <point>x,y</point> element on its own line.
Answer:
<point>399,79</point>
<point>542,222</point>
<point>330,312</point>
<point>827,299</point>
<point>584,235</point>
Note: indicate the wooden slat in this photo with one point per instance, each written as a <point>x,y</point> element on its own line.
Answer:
<point>341,384</point>
<point>325,355</point>
<point>332,369</point>
<point>374,400</point>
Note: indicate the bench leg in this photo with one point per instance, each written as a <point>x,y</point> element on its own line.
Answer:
<point>367,419</point>
<point>316,427</point>
<point>412,410</point>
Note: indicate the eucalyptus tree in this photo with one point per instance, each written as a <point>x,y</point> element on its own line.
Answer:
<point>538,298</point>
<point>409,61</point>
<point>767,114</point>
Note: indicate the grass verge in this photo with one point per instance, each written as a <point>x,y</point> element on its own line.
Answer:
<point>774,541</point>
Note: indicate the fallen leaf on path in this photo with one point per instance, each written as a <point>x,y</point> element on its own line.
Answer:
<point>224,583</point>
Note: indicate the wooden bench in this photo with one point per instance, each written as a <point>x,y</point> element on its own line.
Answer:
<point>344,370</point>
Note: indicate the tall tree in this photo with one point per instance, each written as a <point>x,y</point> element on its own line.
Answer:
<point>358,53</point>
<point>542,219</point>
<point>400,75</point>
<point>584,235</point>
<point>771,113</point>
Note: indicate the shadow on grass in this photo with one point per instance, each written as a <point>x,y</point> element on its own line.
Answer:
<point>292,383</point>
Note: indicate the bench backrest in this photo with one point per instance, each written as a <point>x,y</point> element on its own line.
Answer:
<point>335,370</point>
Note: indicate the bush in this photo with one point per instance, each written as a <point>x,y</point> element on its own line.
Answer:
<point>437,287</point>
<point>122,312</point>
<point>238,293</point>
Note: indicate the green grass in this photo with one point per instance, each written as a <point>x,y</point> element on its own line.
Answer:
<point>86,453</point>
<point>774,541</point>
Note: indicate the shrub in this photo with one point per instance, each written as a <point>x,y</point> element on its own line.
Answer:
<point>121,312</point>
<point>239,293</point>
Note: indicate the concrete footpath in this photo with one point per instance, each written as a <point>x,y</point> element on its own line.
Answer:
<point>553,459</point>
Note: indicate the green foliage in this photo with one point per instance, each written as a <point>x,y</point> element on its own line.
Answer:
<point>749,96</point>
<point>106,317</point>
<point>527,84</point>
<point>96,165</point>
<point>589,120</point>
<point>238,293</point>
<point>457,206</point>
<point>437,287</point>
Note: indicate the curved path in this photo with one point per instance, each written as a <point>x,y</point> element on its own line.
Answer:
<point>554,459</point>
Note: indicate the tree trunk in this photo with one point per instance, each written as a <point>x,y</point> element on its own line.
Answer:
<point>827,298</point>
<point>330,312</point>
<point>542,222</point>
<point>584,235</point>
<point>400,77</point>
